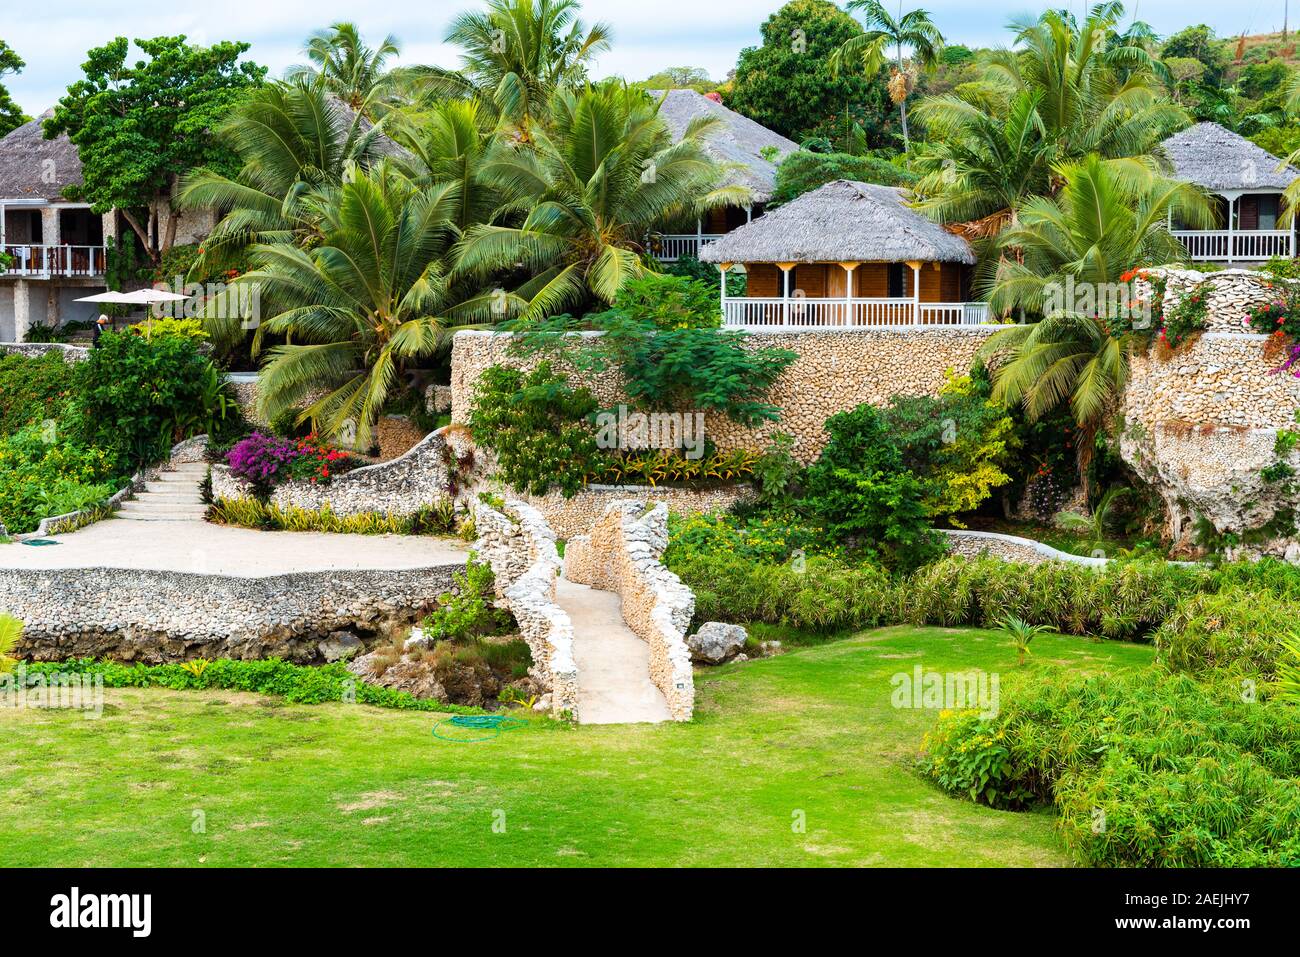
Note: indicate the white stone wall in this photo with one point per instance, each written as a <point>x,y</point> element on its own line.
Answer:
<point>621,554</point>
<point>520,549</point>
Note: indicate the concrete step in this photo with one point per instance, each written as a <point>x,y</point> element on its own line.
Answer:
<point>179,509</point>
<point>180,497</point>
<point>160,517</point>
<point>170,488</point>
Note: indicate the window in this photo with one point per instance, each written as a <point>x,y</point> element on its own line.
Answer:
<point>897,281</point>
<point>1268,207</point>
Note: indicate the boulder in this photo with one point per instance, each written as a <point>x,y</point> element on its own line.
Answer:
<point>716,641</point>
<point>339,645</point>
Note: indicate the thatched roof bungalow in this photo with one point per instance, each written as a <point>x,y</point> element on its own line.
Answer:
<point>847,254</point>
<point>1248,182</point>
<point>750,150</point>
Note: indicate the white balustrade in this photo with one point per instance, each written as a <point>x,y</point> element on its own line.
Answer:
<point>801,312</point>
<point>671,247</point>
<point>1213,245</point>
<point>46,261</point>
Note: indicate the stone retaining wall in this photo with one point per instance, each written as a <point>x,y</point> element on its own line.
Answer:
<point>159,616</point>
<point>400,488</point>
<point>621,554</point>
<point>520,549</point>
<point>570,517</point>
<point>836,370</point>
<point>1011,548</point>
<point>34,349</point>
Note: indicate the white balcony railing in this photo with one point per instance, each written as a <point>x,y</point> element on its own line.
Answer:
<point>1220,245</point>
<point>670,247</point>
<point>47,261</point>
<point>800,312</point>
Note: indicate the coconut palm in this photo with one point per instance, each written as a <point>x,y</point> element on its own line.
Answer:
<point>449,144</point>
<point>1062,93</point>
<point>1109,217</point>
<point>345,66</point>
<point>912,30</point>
<point>597,177</point>
<point>374,296</point>
<point>516,53</point>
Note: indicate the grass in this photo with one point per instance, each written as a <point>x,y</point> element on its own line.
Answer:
<point>808,735</point>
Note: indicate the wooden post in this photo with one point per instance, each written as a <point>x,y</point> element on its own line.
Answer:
<point>785,291</point>
<point>848,291</point>
<point>916,292</point>
<point>722,271</point>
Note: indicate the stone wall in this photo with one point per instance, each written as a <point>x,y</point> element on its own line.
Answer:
<point>159,616</point>
<point>520,549</point>
<point>836,370</point>
<point>1010,548</point>
<point>400,488</point>
<point>33,349</point>
<point>1200,423</point>
<point>621,554</point>
<point>570,517</point>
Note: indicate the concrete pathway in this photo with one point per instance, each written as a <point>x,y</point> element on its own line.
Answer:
<point>174,497</point>
<point>614,684</point>
<point>202,548</point>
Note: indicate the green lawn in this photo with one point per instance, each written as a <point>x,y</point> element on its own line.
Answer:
<point>810,732</point>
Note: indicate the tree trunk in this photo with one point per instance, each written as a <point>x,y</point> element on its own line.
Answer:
<point>169,238</point>
<point>140,231</point>
<point>902,111</point>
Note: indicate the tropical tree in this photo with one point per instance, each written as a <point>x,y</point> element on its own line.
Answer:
<point>11,114</point>
<point>912,30</point>
<point>138,128</point>
<point>345,66</point>
<point>515,54</point>
<point>1108,218</point>
<point>11,630</point>
<point>450,144</point>
<point>1061,94</point>
<point>596,178</point>
<point>376,295</point>
<point>291,139</point>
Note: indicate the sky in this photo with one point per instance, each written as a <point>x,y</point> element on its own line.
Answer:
<point>648,34</point>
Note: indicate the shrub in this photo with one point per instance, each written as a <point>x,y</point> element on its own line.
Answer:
<point>438,518</point>
<point>670,302</point>
<point>1234,632</point>
<point>537,425</point>
<point>707,274</point>
<point>860,489</point>
<point>46,472</point>
<point>136,398</point>
<point>767,538</point>
<point>32,389</point>
<point>297,684</point>
<point>1145,769</point>
<point>161,328</point>
<point>266,461</point>
<point>467,613</point>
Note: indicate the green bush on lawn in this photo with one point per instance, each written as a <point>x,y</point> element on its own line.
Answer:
<point>1234,632</point>
<point>297,684</point>
<point>1145,769</point>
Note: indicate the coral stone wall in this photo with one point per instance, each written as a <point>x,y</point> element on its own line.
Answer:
<point>520,549</point>
<point>836,370</point>
<point>1200,423</point>
<point>621,554</point>
<point>570,517</point>
<point>401,487</point>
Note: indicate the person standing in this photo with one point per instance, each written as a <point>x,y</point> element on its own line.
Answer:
<point>100,326</point>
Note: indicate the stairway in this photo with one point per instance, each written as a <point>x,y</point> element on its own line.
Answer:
<point>174,497</point>
<point>614,685</point>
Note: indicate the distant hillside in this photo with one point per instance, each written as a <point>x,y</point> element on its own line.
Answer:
<point>1261,48</point>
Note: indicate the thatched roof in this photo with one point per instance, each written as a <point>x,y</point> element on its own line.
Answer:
<point>1218,159</point>
<point>24,166</point>
<point>842,221</point>
<point>738,140</point>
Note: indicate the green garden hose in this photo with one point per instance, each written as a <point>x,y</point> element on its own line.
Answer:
<point>492,724</point>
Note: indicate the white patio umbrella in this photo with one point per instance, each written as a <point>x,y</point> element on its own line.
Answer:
<point>110,296</point>
<point>150,297</point>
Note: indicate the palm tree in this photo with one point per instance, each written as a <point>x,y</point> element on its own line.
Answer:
<point>449,144</point>
<point>913,30</point>
<point>599,174</point>
<point>516,53</point>
<point>375,295</point>
<point>1108,218</point>
<point>346,67</point>
<point>11,629</point>
<point>1063,93</point>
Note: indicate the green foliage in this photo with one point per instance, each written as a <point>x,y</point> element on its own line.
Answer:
<point>11,115</point>
<point>1281,141</point>
<point>669,466</point>
<point>32,389</point>
<point>860,489</point>
<point>138,127</point>
<point>537,425</point>
<point>1239,632</point>
<point>467,613</point>
<point>1021,633</point>
<point>1198,43</point>
<point>772,537</point>
<point>1144,769</point>
<point>802,172</point>
<point>11,630</point>
<point>438,518</point>
<point>777,474</point>
<point>45,470</point>
<point>297,684</point>
<point>787,84</point>
<point>707,274</point>
<point>191,329</point>
<point>137,398</point>
<point>961,443</point>
<point>670,302</point>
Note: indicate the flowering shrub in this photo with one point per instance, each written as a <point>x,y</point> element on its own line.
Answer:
<point>1171,327</point>
<point>265,461</point>
<point>1280,320</point>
